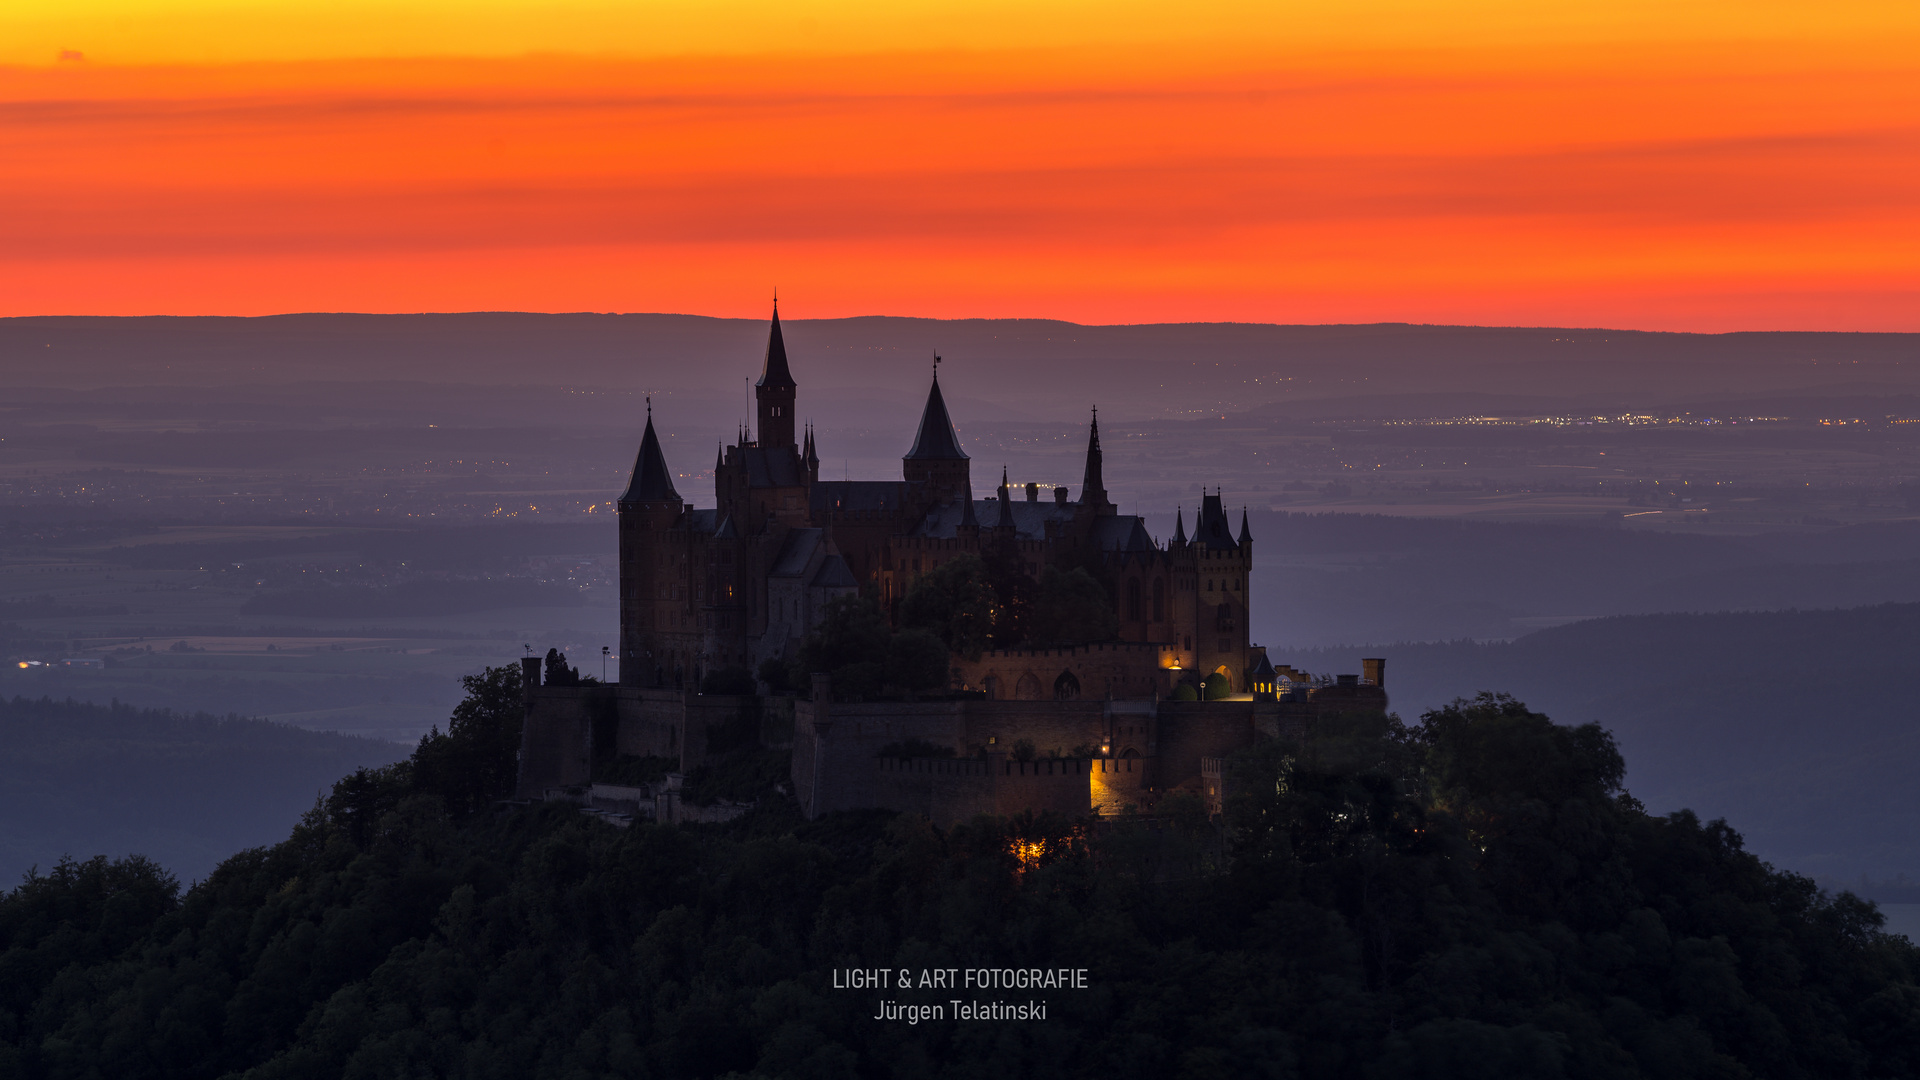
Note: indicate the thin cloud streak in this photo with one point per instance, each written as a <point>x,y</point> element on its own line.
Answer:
<point>1258,195</point>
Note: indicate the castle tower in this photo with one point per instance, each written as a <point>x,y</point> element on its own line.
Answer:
<point>1220,565</point>
<point>936,463</point>
<point>1093,487</point>
<point>648,509</point>
<point>775,392</point>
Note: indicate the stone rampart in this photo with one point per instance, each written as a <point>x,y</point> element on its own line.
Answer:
<point>1118,785</point>
<point>1191,730</point>
<point>948,791</point>
<point>1117,668</point>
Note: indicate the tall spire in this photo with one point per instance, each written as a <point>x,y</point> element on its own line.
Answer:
<point>651,481</point>
<point>774,394</point>
<point>936,439</point>
<point>1180,525</point>
<point>1246,535</point>
<point>774,372</point>
<point>967,518</point>
<point>1093,489</point>
<point>1006,503</point>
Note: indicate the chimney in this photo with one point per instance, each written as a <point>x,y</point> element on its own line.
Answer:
<point>1060,495</point>
<point>1374,672</point>
<point>1033,491</point>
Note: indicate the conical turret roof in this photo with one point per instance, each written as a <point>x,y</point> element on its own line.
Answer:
<point>1006,503</point>
<point>1246,535</point>
<point>936,440</point>
<point>1180,526</point>
<point>774,372</point>
<point>652,481</point>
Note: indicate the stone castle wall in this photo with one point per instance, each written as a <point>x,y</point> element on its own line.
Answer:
<point>1121,669</point>
<point>1155,746</point>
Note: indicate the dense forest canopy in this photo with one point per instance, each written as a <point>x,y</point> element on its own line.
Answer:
<point>1470,896</point>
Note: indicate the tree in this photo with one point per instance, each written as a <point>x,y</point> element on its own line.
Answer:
<point>954,601</point>
<point>1071,608</point>
<point>851,631</point>
<point>1218,686</point>
<point>917,661</point>
<point>477,760</point>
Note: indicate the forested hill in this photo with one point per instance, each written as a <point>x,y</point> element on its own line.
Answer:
<point>184,790</point>
<point>1796,724</point>
<point>1470,897</point>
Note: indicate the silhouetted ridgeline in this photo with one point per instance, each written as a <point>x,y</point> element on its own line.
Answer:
<point>186,791</point>
<point>1471,897</point>
<point>1796,724</point>
<point>1371,579</point>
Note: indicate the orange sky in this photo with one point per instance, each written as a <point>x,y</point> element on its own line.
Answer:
<point>1669,173</point>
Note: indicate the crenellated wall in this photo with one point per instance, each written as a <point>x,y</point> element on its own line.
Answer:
<point>1120,669</point>
<point>1145,747</point>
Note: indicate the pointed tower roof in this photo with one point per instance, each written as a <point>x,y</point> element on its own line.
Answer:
<point>967,518</point>
<point>1093,488</point>
<point>775,372</point>
<point>1180,525</point>
<point>1006,503</point>
<point>811,457</point>
<point>1212,528</point>
<point>936,440</point>
<point>1246,535</point>
<point>651,481</point>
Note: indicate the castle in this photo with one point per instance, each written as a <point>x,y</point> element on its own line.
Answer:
<point>731,587</point>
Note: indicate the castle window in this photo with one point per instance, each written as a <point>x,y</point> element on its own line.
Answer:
<point>1159,599</point>
<point>1133,599</point>
<point>1209,584</point>
<point>1223,618</point>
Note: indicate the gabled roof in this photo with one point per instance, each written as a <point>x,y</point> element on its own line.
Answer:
<point>702,522</point>
<point>774,372</point>
<point>1122,534</point>
<point>1029,519</point>
<point>651,481</point>
<point>834,574</point>
<point>773,467</point>
<point>726,531</point>
<point>866,495</point>
<point>936,440</point>
<point>797,553</point>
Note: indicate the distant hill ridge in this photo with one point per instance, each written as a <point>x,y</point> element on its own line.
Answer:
<point>187,790</point>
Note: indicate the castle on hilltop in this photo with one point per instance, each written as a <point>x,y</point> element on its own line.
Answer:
<point>731,587</point>
<point>744,581</point>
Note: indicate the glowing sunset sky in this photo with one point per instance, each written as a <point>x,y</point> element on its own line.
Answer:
<point>1708,165</point>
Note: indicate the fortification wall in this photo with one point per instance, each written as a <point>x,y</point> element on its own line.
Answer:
<point>942,790</point>
<point>556,739</point>
<point>1055,728</point>
<point>952,790</point>
<point>1059,785</point>
<point>835,745</point>
<point>651,722</point>
<point>1117,784</point>
<point>1123,669</point>
<point>1191,730</point>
